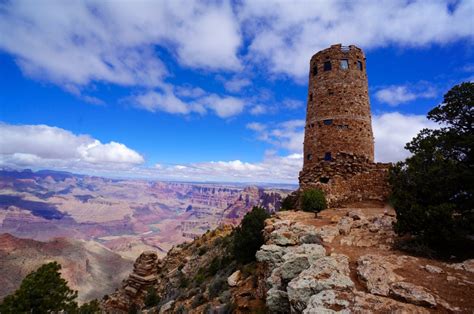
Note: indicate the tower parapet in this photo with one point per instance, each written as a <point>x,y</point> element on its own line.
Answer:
<point>338,142</point>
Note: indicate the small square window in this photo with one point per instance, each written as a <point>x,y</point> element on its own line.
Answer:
<point>315,70</point>
<point>327,157</point>
<point>309,156</point>
<point>327,122</point>
<point>344,64</point>
<point>327,66</point>
<point>359,65</point>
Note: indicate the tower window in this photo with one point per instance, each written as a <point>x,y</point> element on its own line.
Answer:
<point>310,96</point>
<point>315,70</point>
<point>359,65</point>
<point>324,179</point>
<point>344,64</point>
<point>327,66</point>
<point>327,156</point>
<point>309,157</point>
<point>327,122</point>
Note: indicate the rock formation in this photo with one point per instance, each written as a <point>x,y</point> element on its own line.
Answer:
<point>351,267</point>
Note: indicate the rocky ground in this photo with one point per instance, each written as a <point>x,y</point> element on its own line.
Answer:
<point>343,260</point>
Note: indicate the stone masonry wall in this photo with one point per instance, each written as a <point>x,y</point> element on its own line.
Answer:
<point>338,142</point>
<point>338,114</point>
<point>348,178</point>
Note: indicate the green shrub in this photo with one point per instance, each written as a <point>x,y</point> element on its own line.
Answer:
<point>202,251</point>
<point>214,266</point>
<point>433,190</point>
<point>248,236</point>
<point>198,300</point>
<point>199,278</point>
<point>217,286</point>
<point>152,298</point>
<point>42,291</point>
<point>90,308</point>
<point>289,202</point>
<point>133,309</point>
<point>313,200</point>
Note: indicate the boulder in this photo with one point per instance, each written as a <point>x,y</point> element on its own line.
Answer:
<point>327,300</point>
<point>270,253</point>
<point>412,294</point>
<point>311,238</point>
<point>370,303</point>
<point>327,233</point>
<point>433,269</point>
<point>283,238</point>
<point>314,251</point>
<point>277,301</point>
<point>233,280</point>
<point>293,265</point>
<point>167,307</point>
<point>329,272</point>
<point>345,225</point>
<point>376,274</point>
<point>355,214</point>
<point>467,265</point>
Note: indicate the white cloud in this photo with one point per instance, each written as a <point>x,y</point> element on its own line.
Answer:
<point>393,130</point>
<point>272,169</point>
<point>46,146</point>
<point>288,135</point>
<point>200,102</point>
<point>284,34</point>
<point>258,110</point>
<point>78,42</point>
<point>236,84</point>
<point>395,95</point>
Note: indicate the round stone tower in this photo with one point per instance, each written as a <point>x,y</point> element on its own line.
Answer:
<point>338,118</point>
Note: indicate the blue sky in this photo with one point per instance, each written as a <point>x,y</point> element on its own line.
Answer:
<point>211,90</point>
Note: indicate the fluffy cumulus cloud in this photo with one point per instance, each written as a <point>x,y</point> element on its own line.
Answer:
<point>272,169</point>
<point>79,42</point>
<point>398,94</point>
<point>393,130</point>
<point>52,147</point>
<point>198,101</point>
<point>83,41</point>
<point>284,34</point>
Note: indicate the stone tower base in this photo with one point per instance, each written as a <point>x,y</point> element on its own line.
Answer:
<point>347,178</point>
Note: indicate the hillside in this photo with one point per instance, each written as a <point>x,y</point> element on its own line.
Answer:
<point>343,259</point>
<point>88,267</point>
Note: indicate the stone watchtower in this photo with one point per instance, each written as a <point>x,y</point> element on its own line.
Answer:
<point>338,142</point>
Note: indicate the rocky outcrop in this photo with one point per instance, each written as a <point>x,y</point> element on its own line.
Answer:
<point>233,280</point>
<point>350,267</point>
<point>144,276</point>
<point>412,293</point>
<point>376,274</point>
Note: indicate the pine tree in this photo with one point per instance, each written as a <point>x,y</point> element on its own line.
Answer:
<point>41,291</point>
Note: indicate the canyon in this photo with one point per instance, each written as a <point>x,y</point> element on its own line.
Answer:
<point>122,216</point>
